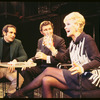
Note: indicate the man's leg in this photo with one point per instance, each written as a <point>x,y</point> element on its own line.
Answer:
<point>2,71</point>
<point>13,78</point>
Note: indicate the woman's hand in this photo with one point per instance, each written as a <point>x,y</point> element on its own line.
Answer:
<point>76,69</point>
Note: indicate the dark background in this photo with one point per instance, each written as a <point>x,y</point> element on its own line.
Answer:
<point>27,16</point>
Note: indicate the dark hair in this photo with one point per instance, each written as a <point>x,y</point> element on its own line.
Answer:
<point>5,28</point>
<point>45,23</point>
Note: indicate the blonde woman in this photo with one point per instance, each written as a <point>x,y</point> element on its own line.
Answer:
<point>84,56</point>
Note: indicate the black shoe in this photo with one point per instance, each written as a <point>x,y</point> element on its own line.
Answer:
<point>17,94</point>
<point>6,96</point>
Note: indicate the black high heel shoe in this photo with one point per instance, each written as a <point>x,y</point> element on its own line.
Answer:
<point>17,94</point>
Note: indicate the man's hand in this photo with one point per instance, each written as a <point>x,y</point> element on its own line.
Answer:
<point>48,41</point>
<point>11,68</point>
<point>29,61</point>
<point>76,69</point>
<point>41,55</point>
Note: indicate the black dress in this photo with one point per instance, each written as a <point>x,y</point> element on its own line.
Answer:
<point>82,51</point>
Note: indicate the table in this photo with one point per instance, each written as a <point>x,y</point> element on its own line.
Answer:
<point>17,65</point>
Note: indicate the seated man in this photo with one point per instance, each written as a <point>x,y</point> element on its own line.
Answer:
<point>44,57</point>
<point>11,49</point>
<point>85,60</point>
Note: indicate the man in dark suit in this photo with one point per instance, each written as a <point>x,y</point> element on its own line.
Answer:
<point>11,49</point>
<point>44,57</point>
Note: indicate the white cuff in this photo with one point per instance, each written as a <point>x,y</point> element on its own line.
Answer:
<point>48,60</point>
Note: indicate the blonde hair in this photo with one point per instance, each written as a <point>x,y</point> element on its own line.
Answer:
<point>77,19</point>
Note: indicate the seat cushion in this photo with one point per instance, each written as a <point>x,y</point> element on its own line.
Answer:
<point>91,94</point>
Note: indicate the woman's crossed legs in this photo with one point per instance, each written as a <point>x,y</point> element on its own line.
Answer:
<point>56,79</point>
